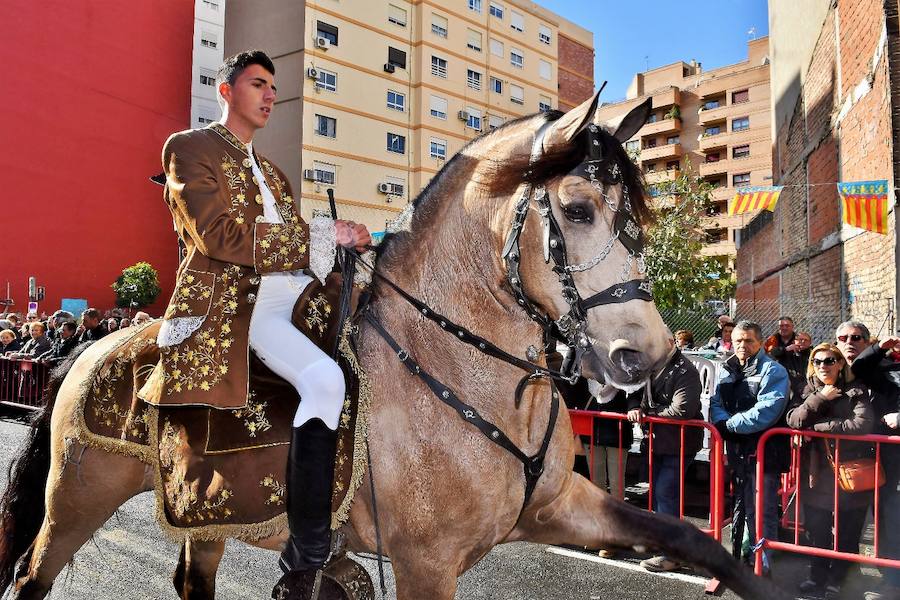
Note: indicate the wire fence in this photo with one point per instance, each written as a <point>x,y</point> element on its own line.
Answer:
<point>819,319</point>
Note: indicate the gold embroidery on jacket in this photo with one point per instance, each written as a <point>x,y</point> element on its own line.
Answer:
<point>317,312</point>
<point>254,416</point>
<point>106,387</point>
<point>286,206</point>
<point>280,242</point>
<point>201,361</point>
<point>236,178</point>
<point>278,489</point>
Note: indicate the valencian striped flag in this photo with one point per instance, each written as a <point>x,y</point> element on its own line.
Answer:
<point>865,204</point>
<point>747,199</point>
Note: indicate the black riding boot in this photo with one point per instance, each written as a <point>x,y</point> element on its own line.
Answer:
<point>310,477</point>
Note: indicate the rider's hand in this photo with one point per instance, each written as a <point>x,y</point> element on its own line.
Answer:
<point>362,238</point>
<point>343,233</point>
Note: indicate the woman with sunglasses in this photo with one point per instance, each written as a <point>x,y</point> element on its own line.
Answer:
<point>832,402</point>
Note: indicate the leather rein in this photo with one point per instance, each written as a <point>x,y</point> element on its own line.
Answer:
<point>569,329</point>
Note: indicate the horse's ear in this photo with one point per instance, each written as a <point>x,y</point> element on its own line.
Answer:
<point>630,123</point>
<point>564,129</point>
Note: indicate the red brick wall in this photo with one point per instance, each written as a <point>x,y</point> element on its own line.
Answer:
<point>821,271</point>
<point>576,73</point>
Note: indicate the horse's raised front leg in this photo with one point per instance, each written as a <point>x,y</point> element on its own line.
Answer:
<point>195,575</point>
<point>584,515</point>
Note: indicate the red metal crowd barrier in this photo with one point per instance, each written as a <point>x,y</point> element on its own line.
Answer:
<point>792,479</point>
<point>22,382</point>
<point>583,424</point>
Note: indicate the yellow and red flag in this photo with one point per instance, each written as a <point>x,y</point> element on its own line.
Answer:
<point>748,199</point>
<point>865,204</point>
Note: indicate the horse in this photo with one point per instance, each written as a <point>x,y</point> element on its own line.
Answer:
<point>446,494</point>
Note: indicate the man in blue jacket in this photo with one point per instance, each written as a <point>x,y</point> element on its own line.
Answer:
<point>751,396</point>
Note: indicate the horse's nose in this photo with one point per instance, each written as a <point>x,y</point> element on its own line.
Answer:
<point>629,361</point>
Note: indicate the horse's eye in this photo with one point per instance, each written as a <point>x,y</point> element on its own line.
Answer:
<point>577,213</point>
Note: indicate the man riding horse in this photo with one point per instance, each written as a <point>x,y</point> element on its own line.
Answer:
<point>236,287</point>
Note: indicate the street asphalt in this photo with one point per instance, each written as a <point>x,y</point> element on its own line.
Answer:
<point>130,558</point>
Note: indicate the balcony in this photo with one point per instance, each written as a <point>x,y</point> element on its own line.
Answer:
<point>722,193</point>
<point>719,140</point>
<point>712,115</point>
<point>722,221</point>
<point>660,127</point>
<point>726,248</point>
<point>661,152</point>
<point>717,167</point>
<point>655,177</point>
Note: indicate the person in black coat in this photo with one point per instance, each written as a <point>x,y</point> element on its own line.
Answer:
<point>8,341</point>
<point>608,449</point>
<point>65,342</point>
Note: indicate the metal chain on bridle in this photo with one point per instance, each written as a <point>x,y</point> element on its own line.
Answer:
<point>571,327</point>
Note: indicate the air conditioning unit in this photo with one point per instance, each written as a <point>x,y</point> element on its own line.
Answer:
<point>312,73</point>
<point>462,115</point>
<point>323,42</point>
<point>309,174</point>
<point>389,68</point>
<point>384,188</point>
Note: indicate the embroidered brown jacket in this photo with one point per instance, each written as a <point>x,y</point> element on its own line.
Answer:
<point>217,207</point>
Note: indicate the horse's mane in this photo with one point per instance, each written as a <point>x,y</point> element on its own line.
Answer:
<point>505,174</point>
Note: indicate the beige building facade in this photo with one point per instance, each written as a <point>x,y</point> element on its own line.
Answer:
<point>717,123</point>
<point>376,95</point>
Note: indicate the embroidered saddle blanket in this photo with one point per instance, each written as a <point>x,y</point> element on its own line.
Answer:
<point>221,473</point>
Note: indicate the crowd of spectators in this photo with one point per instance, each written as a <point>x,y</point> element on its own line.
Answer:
<point>848,385</point>
<point>49,339</point>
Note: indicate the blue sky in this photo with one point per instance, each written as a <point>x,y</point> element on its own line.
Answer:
<point>629,35</point>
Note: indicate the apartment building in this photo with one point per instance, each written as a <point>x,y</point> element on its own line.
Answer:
<point>207,56</point>
<point>376,95</point>
<point>716,122</point>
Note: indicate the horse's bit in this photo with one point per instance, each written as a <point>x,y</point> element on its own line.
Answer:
<point>571,327</point>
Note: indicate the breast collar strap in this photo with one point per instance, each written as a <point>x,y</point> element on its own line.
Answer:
<point>571,327</point>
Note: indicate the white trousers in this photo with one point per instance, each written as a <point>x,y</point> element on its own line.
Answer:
<point>291,355</point>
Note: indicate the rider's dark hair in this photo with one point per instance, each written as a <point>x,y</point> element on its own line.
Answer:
<point>234,65</point>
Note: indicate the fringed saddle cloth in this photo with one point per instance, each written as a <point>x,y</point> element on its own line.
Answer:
<point>221,473</point>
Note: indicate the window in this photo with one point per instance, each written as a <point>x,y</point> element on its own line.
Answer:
<point>714,236</point>
<point>652,118</point>
<point>494,122</point>
<point>517,93</point>
<point>439,25</point>
<point>438,148</point>
<point>711,104</point>
<point>740,96</point>
<point>396,100</point>
<point>713,157</point>
<point>673,165</point>
<point>211,5</point>
<point>496,85</point>
<point>740,179</point>
<point>438,107</point>
<point>516,58</point>
<point>438,67</point>
<point>714,130</point>
<point>207,78</point>
<point>396,143</point>
<point>496,47</point>
<point>544,34</point>
<point>326,126</point>
<point>397,57</point>
<point>516,21</point>
<point>473,79</point>
<point>475,5</point>
<point>740,151</point>
<point>544,69</point>
<point>202,120</point>
<point>324,172</point>
<point>473,40</point>
<point>544,104</point>
<point>633,146</point>
<point>650,168</point>
<point>673,139</point>
<point>651,143</point>
<point>740,124</point>
<point>396,15</point>
<point>327,80</point>
<point>496,10</point>
<point>329,32</point>
<point>209,39</point>
<point>474,121</point>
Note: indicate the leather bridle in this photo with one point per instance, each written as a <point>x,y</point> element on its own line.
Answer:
<point>571,327</point>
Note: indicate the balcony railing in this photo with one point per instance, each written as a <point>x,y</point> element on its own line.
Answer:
<point>716,167</point>
<point>661,126</point>
<point>661,152</point>
<point>654,177</point>
<point>713,114</point>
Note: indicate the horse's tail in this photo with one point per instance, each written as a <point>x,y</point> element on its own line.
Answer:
<point>22,504</point>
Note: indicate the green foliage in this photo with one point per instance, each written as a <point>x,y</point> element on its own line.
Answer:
<point>137,286</point>
<point>682,277</point>
<point>674,113</point>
